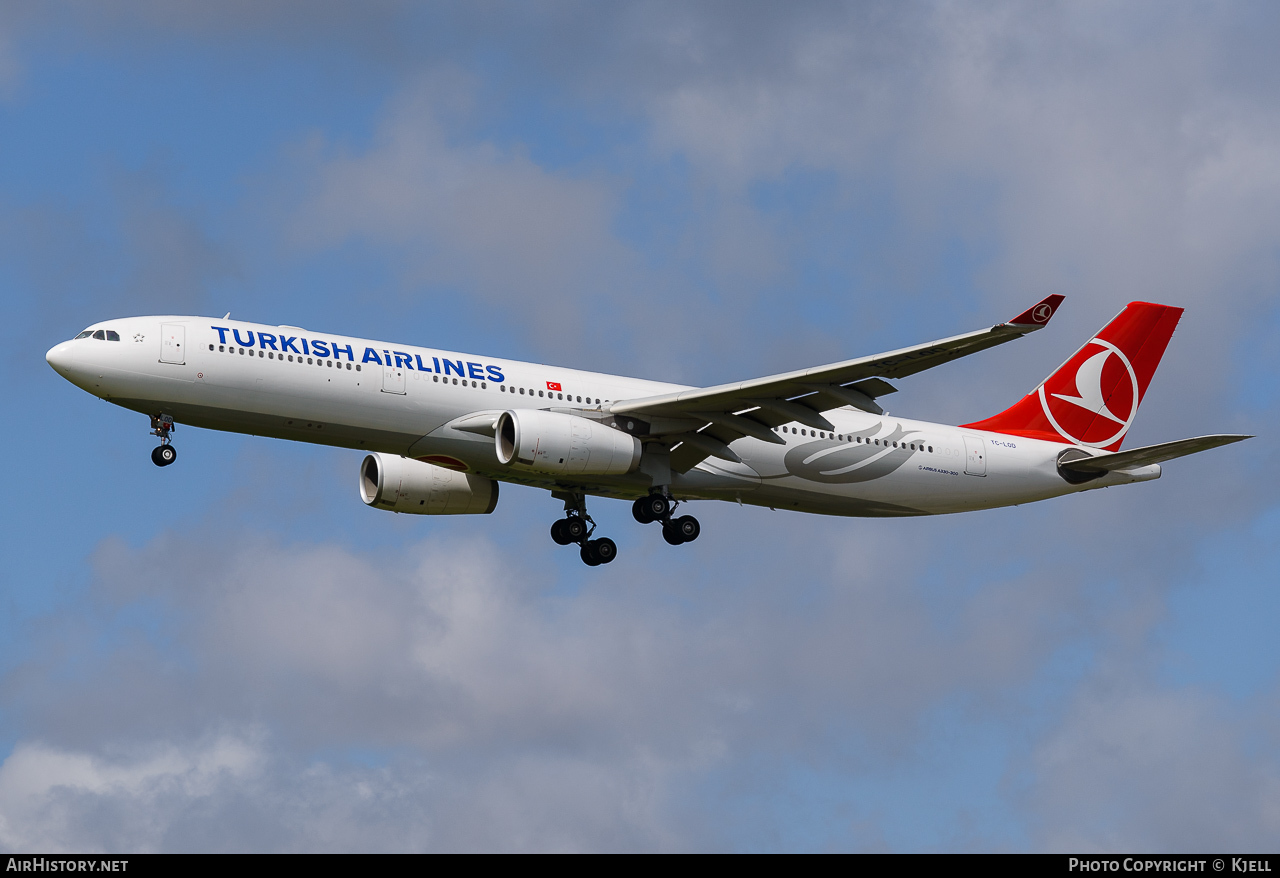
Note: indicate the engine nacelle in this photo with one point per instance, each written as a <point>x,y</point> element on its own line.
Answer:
<point>402,484</point>
<point>559,444</point>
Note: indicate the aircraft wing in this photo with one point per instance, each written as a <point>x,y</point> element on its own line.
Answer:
<point>1149,454</point>
<point>701,423</point>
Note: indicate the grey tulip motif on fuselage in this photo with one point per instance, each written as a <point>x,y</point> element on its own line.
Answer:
<point>836,461</point>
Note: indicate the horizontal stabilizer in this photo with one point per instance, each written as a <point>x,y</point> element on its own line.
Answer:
<point>1148,455</point>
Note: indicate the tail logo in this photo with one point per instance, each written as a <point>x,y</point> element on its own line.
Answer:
<point>1042,312</point>
<point>1077,414</point>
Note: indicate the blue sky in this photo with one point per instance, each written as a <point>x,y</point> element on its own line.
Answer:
<point>235,654</point>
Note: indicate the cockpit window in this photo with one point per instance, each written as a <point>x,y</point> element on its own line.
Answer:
<point>112,335</point>
<point>85,334</point>
<point>100,335</point>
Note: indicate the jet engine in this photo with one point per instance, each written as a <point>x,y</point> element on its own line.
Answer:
<point>556,444</point>
<point>402,484</point>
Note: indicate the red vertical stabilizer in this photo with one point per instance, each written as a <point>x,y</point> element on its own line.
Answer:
<point>1093,397</point>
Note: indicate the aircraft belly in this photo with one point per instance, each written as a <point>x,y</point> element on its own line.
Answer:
<point>716,479</point>
<point>883,467</point>
<point>238,420</point>
<point>314,404</point>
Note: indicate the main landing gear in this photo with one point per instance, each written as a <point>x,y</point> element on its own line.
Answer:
<point>657,507</point>
<point>164,453</point>
<point>577,527</point>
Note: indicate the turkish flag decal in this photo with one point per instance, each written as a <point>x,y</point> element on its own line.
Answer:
<point>554,385</point>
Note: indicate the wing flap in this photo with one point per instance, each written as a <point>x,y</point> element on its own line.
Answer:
<point>801,383</point>
<point>754,408</point>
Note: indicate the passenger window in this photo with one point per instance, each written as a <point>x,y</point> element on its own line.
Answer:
<point>540,393</point>
<point>210,347</point>
<point>84,334</point>
<point>357,368</point>
<point>100,335</point>
<point>484,386</point>
<point>522,394</point>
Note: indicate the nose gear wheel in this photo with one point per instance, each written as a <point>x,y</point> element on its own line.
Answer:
<point>164,453</point>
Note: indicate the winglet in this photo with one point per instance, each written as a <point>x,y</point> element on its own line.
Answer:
<point>1038,314</point>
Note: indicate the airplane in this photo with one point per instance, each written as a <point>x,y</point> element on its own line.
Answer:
<point>442,429</point>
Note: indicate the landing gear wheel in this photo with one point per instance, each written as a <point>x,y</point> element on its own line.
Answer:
<point>654,507</point>
<point>606,549</point>
<point>558,534</point>
<point>590,555</point>
<point>671,533</point>
<point>163,455</point>
<point>574,528</point>
<point>688,528</point>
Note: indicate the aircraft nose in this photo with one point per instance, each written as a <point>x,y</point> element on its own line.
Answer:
<point>59,357</point>
<point>65,360</point>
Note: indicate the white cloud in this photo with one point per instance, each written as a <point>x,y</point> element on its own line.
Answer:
<point>1145,768</point>
<point>54,799</point>
<point>510,713</point>
<point>526,243</point>
<point>1118,152</point>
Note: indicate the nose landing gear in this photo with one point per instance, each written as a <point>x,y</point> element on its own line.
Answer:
<point>577,527</point>
<point>164,453</point>
<point>657,507</point>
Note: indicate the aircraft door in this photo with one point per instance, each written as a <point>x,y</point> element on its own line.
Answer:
<point>393,378</point>
<point>975,455</point>
<point>173,343</point>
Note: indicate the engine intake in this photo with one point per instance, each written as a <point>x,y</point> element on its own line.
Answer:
<point>560,444</point>
<point>400,484</point>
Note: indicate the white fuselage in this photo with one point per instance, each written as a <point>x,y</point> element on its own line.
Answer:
<point>287,383</point>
